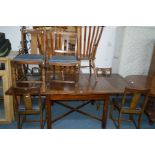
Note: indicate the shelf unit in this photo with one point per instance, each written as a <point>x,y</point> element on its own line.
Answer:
<point>6,79</point>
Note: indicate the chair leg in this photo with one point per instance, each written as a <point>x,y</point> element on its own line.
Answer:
<point>24,118</point>
<point>95,72</point>
<point>18,122</point>
<point>92,102</point>
<point>77,75</point>
<point>119,120</point>
<point>41,120</point>
<point>111,112</point>
<point>90,65</point>
<point>111,115</point>
<point>130,117</point>
<point>43,76</point>
<point>139,121</point>
<point>54,72</point>
<point>98,107</point>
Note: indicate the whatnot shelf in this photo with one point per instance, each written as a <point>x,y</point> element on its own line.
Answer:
<point>6,83</point>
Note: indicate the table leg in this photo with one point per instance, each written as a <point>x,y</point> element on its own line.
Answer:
<point>105,111</point>
<point>48,113</point>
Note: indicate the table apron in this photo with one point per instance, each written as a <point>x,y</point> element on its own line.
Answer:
<point>77,97</point>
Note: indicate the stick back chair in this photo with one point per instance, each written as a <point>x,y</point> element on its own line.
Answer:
<point>27,101</point>
<point>89,38</point>
<point>31,62</point>
<point>62,60</point>
<point>132,103</point>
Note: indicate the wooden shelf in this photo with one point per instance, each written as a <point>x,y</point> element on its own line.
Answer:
<point>6,78</point>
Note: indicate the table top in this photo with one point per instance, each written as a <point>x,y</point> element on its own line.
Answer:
<point>87,85</point>
<point>113,84</point>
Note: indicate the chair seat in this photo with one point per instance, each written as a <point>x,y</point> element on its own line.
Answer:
<point>63,59</point>
<point>29,57</point>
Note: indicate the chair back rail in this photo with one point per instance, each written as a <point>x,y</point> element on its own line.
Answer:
<point>26,94</point>
<point>62,61</point>
<point>36,40</point>
<point>89,37</point>
<point>25,105</point>
<point>61,42</point>
<point>136,97</point>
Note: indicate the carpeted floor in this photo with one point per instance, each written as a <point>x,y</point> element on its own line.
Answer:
<point>76,120</point>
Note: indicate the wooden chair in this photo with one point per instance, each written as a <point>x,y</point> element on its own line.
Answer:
<point>132,103</point>
<point>62,60</point>
<point>27,101</point>
<point>28,66</point>
<point>89,37</point>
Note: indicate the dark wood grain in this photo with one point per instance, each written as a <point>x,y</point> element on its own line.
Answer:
<point>89,89</point>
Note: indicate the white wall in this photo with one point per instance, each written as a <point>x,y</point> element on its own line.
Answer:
<point>119,37</point>
<point>106,47</point>
<point>13,34</point>
<point>136,50</point>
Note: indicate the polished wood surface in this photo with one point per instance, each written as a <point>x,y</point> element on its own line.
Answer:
<point>142,81</point>
<point>107,84</point>
<point>87,85</point>
<point>89,89</point>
